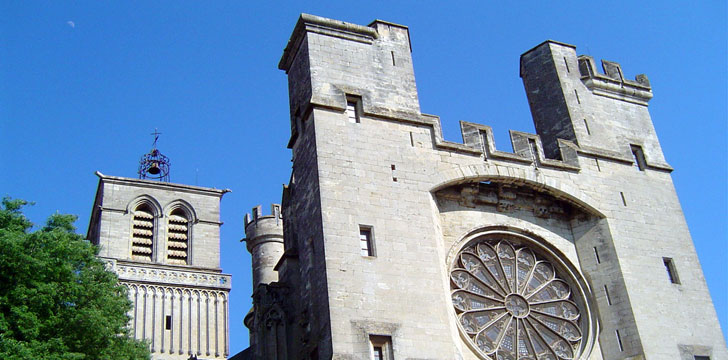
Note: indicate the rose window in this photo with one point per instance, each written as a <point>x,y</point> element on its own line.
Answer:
<point>512,304</point>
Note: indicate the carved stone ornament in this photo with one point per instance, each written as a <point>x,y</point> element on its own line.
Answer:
<point>177,277</point>
<point>512,303</point>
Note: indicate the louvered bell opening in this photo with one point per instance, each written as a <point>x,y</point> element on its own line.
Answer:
<point>142,234</point>
<point>177,231</point>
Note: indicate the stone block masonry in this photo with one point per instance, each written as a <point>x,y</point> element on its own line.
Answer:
<point>559,249</point>
<point>163,241</point>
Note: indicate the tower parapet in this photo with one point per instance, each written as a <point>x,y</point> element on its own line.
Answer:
<point>604,114</point>
<point>612,83</point>
<point>264,240</point>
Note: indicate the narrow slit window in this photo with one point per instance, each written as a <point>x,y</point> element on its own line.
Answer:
<point>168,322</point>
<point>596,255</point>
<point>619,340</point>
<point>393,62</point>
<point>352,110</point>
<point>599,168</point>
<point>178,237</point>
<point>606,294</point>
<point>577,97</point>
<point>624,200</point>
<point>394,173</point>
<point>671,270</point>
<point>567,65</point>
<point>142,234</point>
<point>639,157</point>
<point>366,241</point>
<point>412,140</point>
<point>586,125</point>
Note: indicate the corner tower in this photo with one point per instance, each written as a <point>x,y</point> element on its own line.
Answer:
<point>264,241</point>
<point>265,320</point>
<point>604,113</point>
<point>319,59</point>
<point>163,241</point>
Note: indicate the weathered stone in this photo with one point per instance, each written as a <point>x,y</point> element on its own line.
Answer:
<point>179,306</point>
<point>571,195</point>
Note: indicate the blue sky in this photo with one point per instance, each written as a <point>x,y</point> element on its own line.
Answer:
<point>83,83</point>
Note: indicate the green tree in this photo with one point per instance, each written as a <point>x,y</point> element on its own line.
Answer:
<point>57,301</point>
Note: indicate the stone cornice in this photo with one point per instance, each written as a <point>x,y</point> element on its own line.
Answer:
<point>159,274</point>
<point>316,24</point>
<point>162,185</point>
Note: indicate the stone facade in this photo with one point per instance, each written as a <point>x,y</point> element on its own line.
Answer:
<point>399,244</point>
<point>163,241</point>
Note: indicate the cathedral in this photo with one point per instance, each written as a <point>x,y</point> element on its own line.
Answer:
<point>392,243</point>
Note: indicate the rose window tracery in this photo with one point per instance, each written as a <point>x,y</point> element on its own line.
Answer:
<point>512,304</point>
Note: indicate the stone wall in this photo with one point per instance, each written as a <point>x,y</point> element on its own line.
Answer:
<point>609,213</point>
<point>181,309</point>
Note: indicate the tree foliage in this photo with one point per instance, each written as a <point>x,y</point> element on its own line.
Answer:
<point>57,301</point>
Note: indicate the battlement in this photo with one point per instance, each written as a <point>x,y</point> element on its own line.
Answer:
<point>479,140</point>
<point>329,62</point>
<point>263,228</point>
<point>611,82</point>
<point>275,212</point>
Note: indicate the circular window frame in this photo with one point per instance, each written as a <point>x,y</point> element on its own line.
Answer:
<point>564,270</point>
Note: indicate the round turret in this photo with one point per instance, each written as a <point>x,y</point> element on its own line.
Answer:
<point>264,240</point>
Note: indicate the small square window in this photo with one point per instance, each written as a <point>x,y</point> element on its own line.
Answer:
<point>366,241</point>
<point>381,347</point>
<point>671,270</point>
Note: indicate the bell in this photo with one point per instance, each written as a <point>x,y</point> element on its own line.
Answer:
<point>154,169</point>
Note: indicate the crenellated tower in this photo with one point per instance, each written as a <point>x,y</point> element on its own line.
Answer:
<point>266,320</point>
<point>603,113</point>
<point>264,240</point>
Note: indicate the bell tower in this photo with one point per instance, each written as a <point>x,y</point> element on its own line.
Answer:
<point>163,241</point>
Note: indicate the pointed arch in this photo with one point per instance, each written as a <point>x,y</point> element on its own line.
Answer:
<point>184,206</point>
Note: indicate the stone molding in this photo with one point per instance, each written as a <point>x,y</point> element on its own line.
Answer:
<point>323,26</point>
<point>162,185</point>
<point>508,174</point>
<point>167,276</point>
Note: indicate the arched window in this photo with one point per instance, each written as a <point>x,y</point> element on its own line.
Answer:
<point>178,237</point>
<point>142,235</point>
